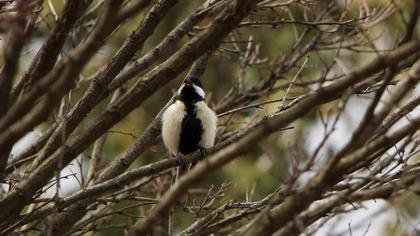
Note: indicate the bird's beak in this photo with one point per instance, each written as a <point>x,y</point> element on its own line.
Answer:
<point>188,82</point>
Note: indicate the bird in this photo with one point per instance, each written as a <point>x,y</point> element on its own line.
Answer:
<point>188,124</point>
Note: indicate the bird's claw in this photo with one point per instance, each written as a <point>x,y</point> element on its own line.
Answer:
<point>180,161</point>
<point>203,152</point>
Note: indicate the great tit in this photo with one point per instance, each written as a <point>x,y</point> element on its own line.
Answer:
<point>188,124</point>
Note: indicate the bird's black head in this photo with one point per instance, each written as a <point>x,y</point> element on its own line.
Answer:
<point>191,90</point>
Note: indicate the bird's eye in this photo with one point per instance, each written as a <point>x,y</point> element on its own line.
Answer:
<point>197,82</point>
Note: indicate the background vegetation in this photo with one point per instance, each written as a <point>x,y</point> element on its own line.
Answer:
<point>303,89</point>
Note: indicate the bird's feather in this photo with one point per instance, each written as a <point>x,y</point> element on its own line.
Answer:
<point>171,126</point>
<point>209,121</point>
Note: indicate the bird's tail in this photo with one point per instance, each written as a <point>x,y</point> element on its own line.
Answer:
<point>180,171</point>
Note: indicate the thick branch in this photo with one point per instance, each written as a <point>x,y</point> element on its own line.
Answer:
<point>48,54</point>
<point>97,90</point>
<point>57,84</point>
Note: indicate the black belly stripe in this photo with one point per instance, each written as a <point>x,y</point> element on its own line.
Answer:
<point>191,131</point>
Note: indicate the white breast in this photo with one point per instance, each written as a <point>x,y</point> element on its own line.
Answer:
<point>171,126</point>
<point>209,121</point>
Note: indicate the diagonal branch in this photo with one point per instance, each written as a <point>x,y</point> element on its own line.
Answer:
<point>23,116</point>
<point>47,55</point>
<point>121,164</point>
<point>15,40</point>
<point>271,220</point>
<point>97,90</point>
<point>15,201</point>
<point>265,128</point>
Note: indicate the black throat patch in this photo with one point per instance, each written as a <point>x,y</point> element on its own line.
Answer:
<point>189,95</point>
<point>191,130</point>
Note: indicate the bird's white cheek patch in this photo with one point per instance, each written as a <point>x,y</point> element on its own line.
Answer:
<point>199,91</point>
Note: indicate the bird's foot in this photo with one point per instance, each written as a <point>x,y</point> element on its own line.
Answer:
<point>203,152</point>
<point>180,161</point>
